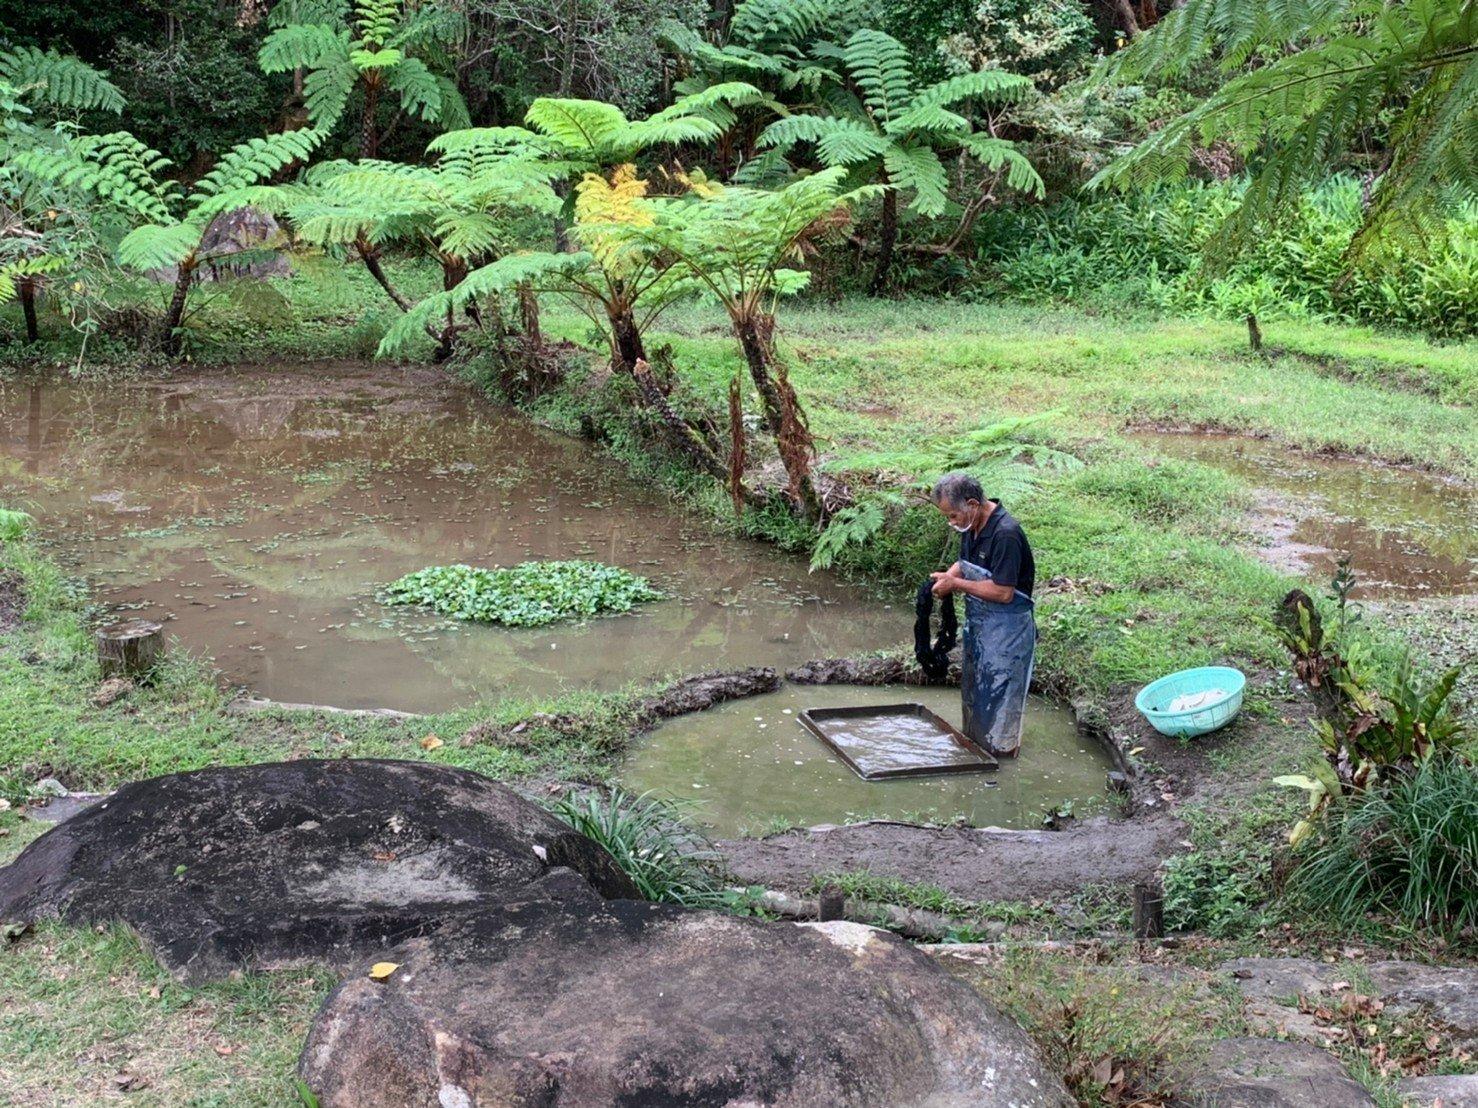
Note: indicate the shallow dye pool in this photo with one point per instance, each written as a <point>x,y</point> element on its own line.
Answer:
<point>749,767</point>
<point>257,510</point>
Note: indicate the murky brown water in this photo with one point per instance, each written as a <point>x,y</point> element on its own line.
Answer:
<point>257,510</point>
<point>1409,533</point>
<point>749,766</point>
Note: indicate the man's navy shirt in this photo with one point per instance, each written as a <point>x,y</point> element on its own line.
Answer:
<point>1001,547</point>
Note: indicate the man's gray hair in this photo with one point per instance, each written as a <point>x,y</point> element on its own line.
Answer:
<point>956,489</point>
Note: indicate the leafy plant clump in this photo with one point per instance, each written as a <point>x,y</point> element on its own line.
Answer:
<point>648,839</point>
<point>1409,849</point>
<point>531,594</point>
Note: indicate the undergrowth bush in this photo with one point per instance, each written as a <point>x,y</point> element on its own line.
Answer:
<point>1145,250</point>
<point>1407,849</point>
<point>531,594</point>
<point>648,839</point>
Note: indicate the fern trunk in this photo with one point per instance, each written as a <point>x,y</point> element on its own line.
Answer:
<point>27,289</point>
<point>371,258</point>
<point>782,411</point>
<point>369,136</point>
<point>172,341</point>
<point>626,337</point>
<point>887,242</point>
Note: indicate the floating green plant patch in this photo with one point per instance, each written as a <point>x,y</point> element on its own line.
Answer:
<point>531,594</point>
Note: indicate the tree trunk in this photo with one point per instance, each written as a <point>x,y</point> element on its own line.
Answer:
<point>629,348</point>
<point>754,340</point>
<point>172,341</point>
<point>130,649</point>
<point>887,240</point>
<point>528,313</point>
<point>371,258</point>
<point>782,410</point>
<point>683,434</point>
<point>1127,15</point>
<point>27,288</point>
<point>369,136</point>
<point>452,275</point>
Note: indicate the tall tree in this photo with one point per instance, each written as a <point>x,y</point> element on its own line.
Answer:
<point>379,48</point>
<point>893,132</point>
<point>1306,82</point>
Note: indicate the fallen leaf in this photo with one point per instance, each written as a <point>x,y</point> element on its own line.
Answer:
<point>431,742</point>
<point>224,1051</point>
<point>385,856</point>
<point>381,970</point>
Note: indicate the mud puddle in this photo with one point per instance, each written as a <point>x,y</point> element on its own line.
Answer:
<point>257,510</point>
<point>749,767</point>
<point>1409,533</point>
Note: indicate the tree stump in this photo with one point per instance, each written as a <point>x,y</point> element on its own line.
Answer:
<point>130,649</point>
<point>1149,910</point>
<point>833,903</point>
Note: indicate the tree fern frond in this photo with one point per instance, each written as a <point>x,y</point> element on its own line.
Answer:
<point>586,125</point>
<point>116,168</point>
<point>454,114</point>
<point>326,91</point>
<point>837,141</point>
<point>996,154</point>
<point>420,91</point>
<point>58,80</point>
<point>252,161</point>
<point>538,271</point>
<point>158,245</point>
<point>918,168</point>
<point>993,85</point>
<point>306,45</point>
<point>879,64</point>
<point>334,13</point>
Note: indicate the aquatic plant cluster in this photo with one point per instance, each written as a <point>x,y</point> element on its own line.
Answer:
<point>530,594</point>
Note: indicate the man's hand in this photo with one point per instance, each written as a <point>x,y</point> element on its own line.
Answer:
<point>944,583</point>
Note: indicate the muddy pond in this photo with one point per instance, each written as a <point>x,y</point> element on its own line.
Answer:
<point>749,767</point>
<point>258,510</point>
<point>1408,533</point>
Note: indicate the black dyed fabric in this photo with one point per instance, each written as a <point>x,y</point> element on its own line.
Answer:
<point>933,657</point>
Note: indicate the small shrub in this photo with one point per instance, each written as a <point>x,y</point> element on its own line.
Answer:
<point>13,525</point>
<point>648,839</point>
<point>531,594</point>
<point>1408,848</point>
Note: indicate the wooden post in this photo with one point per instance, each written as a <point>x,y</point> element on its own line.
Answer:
<point>1149,910</point>
<point>130,649</point>
<point>832,904</point>
<point>1254,334</point>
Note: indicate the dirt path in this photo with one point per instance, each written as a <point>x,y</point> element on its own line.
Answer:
<point>971,863</point>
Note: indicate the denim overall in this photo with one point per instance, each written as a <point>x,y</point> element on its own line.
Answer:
<point>996,666</point>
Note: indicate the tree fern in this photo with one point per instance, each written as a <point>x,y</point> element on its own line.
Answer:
<point>1336,67</point>
<point>159,245</point>
<point>879,63</point>
<point>57,81</point>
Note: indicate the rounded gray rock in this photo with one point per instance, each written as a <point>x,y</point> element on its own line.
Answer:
<point>284,863</point>
<point>571,1002</point>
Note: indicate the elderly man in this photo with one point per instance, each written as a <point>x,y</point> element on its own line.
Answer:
<point>996,573</point>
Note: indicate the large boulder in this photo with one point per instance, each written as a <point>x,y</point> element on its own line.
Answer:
<point>566,1001</point>
<point>269,865</point>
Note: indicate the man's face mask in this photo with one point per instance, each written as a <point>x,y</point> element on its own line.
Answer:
<point>961,519</point>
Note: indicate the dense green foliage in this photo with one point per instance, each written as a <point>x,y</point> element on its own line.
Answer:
<point>531,594</point>
<point>1408,849</point>
<point>651,842</point>
<point>1325,75</point>
<point>1113,252</point>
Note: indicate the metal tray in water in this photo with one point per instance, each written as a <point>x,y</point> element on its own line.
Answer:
<point>895,740</point>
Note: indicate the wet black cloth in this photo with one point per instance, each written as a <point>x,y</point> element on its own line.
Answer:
<point>1001,547</point>
<point>933,657</point>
